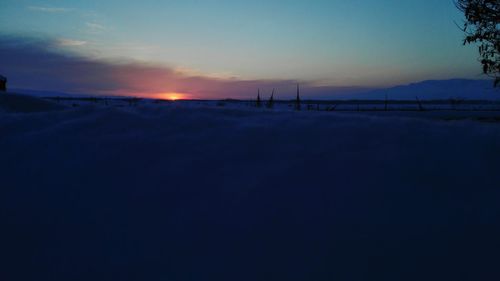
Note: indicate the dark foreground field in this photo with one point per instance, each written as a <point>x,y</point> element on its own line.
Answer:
<point>203,193</point>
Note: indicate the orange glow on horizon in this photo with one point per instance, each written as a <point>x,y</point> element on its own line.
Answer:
<point>172,96</point>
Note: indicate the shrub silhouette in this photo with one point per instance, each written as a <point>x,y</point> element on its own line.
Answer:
<point>270,103</point>
<point>259,102</point>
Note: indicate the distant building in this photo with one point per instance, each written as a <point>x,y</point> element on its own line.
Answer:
<point>3,84</point>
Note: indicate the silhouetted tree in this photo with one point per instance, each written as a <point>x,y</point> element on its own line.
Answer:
<point>270,104</point>
<point>259,102</point>
<point>297,101</point>
<point>482,25</point>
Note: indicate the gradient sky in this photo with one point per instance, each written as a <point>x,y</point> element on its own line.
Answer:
<point>363,43</point>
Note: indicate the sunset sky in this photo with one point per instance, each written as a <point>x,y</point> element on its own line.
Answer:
<point>216,48</point>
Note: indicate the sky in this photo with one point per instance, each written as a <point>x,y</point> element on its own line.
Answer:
<point>218,47</point>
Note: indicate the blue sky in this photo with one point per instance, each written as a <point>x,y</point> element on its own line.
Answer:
<point>328,43</point>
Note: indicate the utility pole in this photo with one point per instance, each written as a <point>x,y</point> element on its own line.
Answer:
<point>258,98</point>
<point>297,101</point>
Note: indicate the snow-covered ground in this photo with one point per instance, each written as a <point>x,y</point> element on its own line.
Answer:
<point>197,191</point>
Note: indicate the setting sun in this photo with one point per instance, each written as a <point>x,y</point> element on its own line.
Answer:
<point>172,96</point>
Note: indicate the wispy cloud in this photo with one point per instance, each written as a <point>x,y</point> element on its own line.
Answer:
<point>64,42</point>
<point>95,27</point>
<point>49,9</point>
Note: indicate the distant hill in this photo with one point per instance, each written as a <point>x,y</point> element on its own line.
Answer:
<point>37,93</point>
<point>437,89</point>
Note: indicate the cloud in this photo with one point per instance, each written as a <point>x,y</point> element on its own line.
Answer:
<point>70,43</point>
<point>41,64</point>
<point>95,27</point>
<point>49,9</point>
